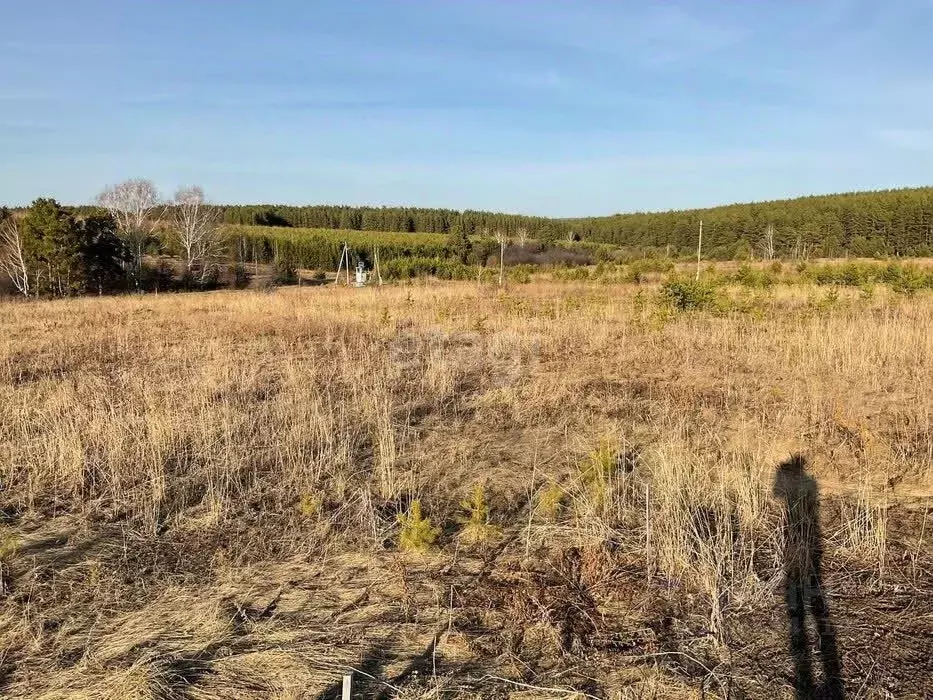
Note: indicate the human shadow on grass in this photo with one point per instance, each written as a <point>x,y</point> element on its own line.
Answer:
<point>368,683</point>
<point>803,553</point>
<point>370,667</point>
<point>367,676</point>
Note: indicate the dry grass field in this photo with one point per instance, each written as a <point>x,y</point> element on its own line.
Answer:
<point>216,495</point>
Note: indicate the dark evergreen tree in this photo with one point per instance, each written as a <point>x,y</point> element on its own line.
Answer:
<point>460,244</point>
<point>64,256</point>
<point>102,253</point>
<point>53,248</point>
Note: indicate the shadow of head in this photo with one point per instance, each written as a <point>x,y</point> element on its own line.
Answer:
<point>791,481</point>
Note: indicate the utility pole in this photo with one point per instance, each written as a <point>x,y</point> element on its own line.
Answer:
<point>501,260</point>
<point>343,252</point>
<point>699,250</point>
<point>344,256</point>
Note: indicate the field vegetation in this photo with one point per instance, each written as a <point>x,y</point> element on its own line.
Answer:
<point>610,481</point>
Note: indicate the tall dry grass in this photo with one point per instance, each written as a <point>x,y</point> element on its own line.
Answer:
<point>213,410</point>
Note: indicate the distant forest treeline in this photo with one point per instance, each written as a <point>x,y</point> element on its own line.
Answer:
<point>889,222</point>
<point>863,224</point>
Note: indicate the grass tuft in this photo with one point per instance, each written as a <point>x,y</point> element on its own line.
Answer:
<point>551,501</point>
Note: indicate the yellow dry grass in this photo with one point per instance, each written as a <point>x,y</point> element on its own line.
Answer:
<point>156,453</point>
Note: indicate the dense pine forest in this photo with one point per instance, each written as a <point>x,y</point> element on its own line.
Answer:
<point>883,223</point>
<point>49,249</point>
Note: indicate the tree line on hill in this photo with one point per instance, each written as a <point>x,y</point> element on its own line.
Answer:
<point>394,220</point>
<point>862,224</point>
<point>49,249</point>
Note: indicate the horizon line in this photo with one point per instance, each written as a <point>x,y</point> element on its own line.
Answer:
<point>636,212</point>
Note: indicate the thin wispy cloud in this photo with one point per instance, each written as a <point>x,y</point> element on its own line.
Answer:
<point>574,107</point>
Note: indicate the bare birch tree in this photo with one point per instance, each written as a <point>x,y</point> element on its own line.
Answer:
<point>131,204</point>
<point>699,250</point>
<point>502,239</point>
<point>196,231</point>
<point>801,250</point>
<point>13,257</point>
<point>767,243</point>
<point>522,233</point>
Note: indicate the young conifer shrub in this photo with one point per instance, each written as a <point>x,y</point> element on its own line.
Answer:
<point>689,295</point>
<point>416,534</point>
<point>309,505</point>
<point>476,526</point>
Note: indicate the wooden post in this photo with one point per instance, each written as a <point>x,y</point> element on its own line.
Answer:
<point>347,686</point>
<point>699,249</point>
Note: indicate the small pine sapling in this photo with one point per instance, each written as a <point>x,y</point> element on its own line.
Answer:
<point>309,505</point>
<point>416,534</point>
<point>476,526</point>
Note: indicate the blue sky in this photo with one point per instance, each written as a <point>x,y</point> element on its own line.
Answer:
<point>565,108</point>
